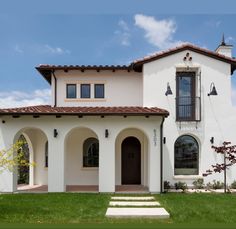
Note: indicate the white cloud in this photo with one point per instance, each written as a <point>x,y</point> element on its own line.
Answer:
<point>158,32</point>
<point>213,23</point>
<point>18,49</point>
<point>123,33</point>
<point>54,50</point>
<point>229,39</point>
<point>41,49</point>
<point>21,99</point>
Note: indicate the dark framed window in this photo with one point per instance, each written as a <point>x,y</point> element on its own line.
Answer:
<point>91,152</point>
<point>99,91</point>
<point>185,96</point>
<point>85,91</point>
<point>71,91</point>
<point>186,156</point>
<point>46,154</point>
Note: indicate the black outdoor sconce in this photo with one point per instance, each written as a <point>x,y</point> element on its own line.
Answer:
<point>55,133</point>
<point>106,133</point>
<point>212,90</point>
<point>212,140</point>
<point>168,90</point>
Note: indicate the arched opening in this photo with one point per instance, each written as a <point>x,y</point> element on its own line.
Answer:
<point>33,178</point>
<point>23,171</point>
<point>91,153</point>
<point>186,156</point>
<point>82,160</point>
<point>131,160</point>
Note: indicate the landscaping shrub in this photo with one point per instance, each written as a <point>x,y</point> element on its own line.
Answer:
<point>233,185</point>
<point>181,185</point>
<point>166,186</point>
<point>199,183</point>
<point>217,185</point>
<point>209,186</point>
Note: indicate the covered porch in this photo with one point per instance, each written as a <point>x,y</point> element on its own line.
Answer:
<point>87,153</point>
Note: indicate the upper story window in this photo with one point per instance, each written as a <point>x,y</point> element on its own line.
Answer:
<point>85,91</point>
<point>71,91</point>
<point>187,104</point>
<point>99,91</point>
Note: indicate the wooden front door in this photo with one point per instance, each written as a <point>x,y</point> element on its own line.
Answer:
<point>131,161</point>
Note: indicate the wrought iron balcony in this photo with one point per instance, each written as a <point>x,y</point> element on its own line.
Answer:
<point>188,108</point>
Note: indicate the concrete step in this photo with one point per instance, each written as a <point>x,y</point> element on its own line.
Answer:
<point>134,203</point>
<point>132,198</point>
<point>159,213</point>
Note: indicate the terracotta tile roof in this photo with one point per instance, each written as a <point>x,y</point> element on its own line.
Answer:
<point>187,46</point>
<point>87,111</point>
<point>136,65</point>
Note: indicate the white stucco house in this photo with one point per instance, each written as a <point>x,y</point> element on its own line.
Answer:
<point>152,121</point>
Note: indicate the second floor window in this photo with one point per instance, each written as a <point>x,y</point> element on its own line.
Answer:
<point>85,91</point>
<point>185,96</point>
<point>71,91</point>
<point>99,91</point>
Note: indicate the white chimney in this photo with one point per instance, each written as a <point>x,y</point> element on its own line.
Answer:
<point>224,49</point>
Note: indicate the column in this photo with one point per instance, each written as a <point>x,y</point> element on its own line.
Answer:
<point>154,160</point>
<point>106,164</point>
<point>8,179</point>
<point>56,164</point>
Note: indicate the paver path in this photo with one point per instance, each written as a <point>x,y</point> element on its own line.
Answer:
<point>140,206</point>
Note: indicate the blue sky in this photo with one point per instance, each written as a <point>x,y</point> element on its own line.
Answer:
<point>31,36</point>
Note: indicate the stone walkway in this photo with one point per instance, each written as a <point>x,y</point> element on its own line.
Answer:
<point>135,206</point>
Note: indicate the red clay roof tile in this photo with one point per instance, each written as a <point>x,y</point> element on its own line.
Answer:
<point>48,110</point>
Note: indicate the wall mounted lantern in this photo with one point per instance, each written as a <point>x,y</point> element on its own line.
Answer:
<point>212,140</point>
<point>212,90</point>
<point>106,133</point>
<point>168,90</point>
<point>55,133</point>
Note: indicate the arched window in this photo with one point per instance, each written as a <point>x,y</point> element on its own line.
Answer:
<point>186,156</point>
<point>46,154</point>
<point>90,152</point>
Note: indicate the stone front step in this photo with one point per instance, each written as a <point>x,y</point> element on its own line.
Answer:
<point>134,203</point>
<point>159,213</point>
<point>133,198</point>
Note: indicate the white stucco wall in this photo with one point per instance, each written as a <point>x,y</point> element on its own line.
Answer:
<point>218,117</point>
<point>119,86</point>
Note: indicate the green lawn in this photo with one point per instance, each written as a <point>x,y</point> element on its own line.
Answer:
<point>72,208</point>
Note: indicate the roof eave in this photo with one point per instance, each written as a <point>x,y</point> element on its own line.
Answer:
<point>165,114</point>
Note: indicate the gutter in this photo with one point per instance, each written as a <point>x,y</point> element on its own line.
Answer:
<point>55,91</point>
<point>161,154</point>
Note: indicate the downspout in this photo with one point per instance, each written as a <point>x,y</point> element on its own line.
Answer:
<point>161,153</point>
<point>55,89</point>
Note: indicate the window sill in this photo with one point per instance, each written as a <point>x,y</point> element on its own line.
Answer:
<point>90,168</point>
<point>187,177</point>
<point>86,100</point>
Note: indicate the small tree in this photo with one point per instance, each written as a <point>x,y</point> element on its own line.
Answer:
<point>229,153</point>
<point>12,157</point>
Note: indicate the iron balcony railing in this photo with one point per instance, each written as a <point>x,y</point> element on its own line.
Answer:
<point>188,108</point>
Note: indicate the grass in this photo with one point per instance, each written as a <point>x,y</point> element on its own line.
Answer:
<point>72,208</point>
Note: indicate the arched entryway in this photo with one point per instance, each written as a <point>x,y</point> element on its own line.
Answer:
<point>33,178</point>
<point>131,161</point>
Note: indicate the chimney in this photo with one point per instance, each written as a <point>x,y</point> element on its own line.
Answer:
<point>224,49</point>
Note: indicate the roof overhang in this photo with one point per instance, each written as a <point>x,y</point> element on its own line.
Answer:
<point>46,70</point>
